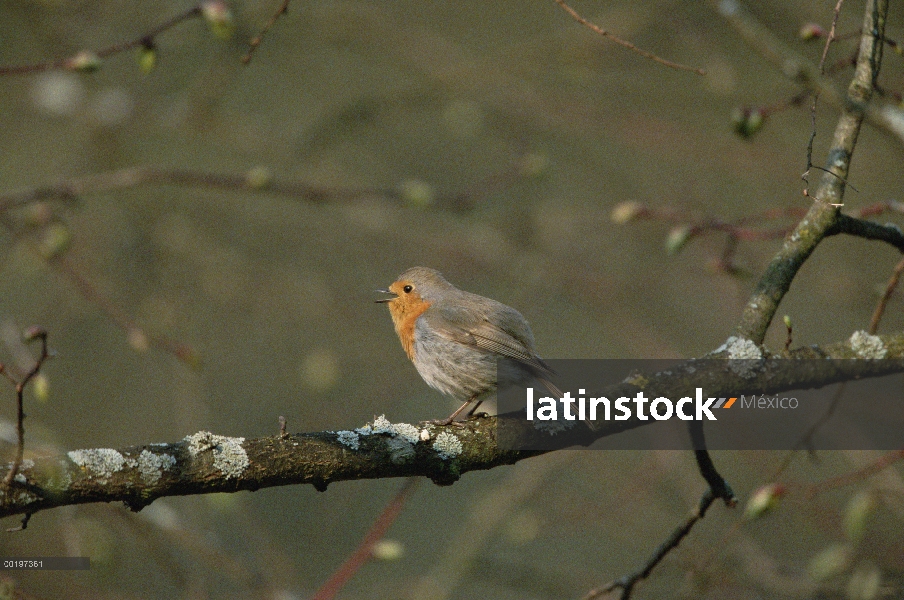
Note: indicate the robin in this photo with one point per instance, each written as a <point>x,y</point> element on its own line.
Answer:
<point>454,337</point>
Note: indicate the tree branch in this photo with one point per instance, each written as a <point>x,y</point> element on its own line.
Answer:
<point>89,60</point>
<point>798,69</point>
<point>206,463</point>
<point>624,43</point>
<point>869,230</point>
<point>823,214</point>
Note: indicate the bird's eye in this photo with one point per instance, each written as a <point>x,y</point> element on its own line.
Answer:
<point>407,289</point>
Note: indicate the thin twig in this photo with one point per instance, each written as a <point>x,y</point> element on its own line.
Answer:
<point>883,462</point>
<point>626,584</point>
<point>256,41</point>
<point>624,43</point>
<point>33,333</point>
<point>883,302</point>
<point>138,337</point>
<point>830,37</point>
<point>718,489</point>
<point>72,63</point>
<point>364,552</point>
<point>806,440</point>
<point>257,181</point>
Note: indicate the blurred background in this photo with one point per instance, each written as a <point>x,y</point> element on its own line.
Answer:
<point>504,134</point>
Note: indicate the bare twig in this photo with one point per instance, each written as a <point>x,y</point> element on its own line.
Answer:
<point>131,177</point>
<point>803,72</point>
<point>256,41</point>
<point>624,43</point>
<point>830,37</point>
<point>806,440</point>
<point>33,333</point>
<point>364,552</point>
<point>77,62</point>
<point>691,226</point>
<point>883,462</point>
<point>255,180</point>
<point>138,337</point>
<point>718,489</point>
<point>626,584</point>
<point>886,296</point>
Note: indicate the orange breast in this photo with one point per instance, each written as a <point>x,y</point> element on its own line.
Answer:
<point>404,321</point>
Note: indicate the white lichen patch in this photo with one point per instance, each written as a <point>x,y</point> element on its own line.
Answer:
<point>228,455</point>
<point>447,445</point>
<point>742,349</point>
<point>407,432</point>
<point>26,465</point>
<point>865,345</point>
<point>99,462</point>
<point>349,438</point>
<point>382,425</point>
<point>744,356</point>
<point>151,466</point>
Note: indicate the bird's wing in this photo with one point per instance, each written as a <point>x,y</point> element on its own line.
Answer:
<point>508,335</point>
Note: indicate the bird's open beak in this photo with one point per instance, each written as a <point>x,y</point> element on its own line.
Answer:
<point>393,294</point>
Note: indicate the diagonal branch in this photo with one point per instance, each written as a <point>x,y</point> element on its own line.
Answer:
<point>83,60</point>
<point>823,216</point>
<point>625,43</point>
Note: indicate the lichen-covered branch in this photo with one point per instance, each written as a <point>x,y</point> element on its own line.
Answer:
<point>205,463</point>
<point>823,215</point>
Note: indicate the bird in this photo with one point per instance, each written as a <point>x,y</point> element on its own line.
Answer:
<point>454,339</point>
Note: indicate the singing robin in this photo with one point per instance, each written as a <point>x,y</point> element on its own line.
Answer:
<point>454,337</point>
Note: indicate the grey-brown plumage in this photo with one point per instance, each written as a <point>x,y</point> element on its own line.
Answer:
<point>454,338</point>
